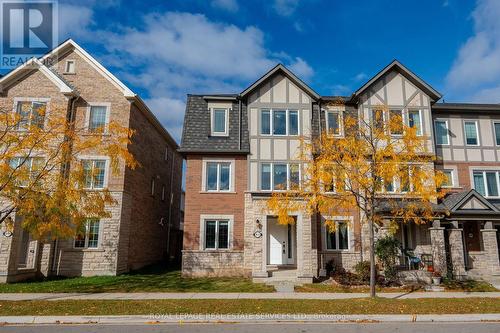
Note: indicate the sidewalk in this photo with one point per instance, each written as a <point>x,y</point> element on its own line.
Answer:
<point>155,296</point>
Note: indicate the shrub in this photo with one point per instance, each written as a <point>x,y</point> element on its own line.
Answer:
<point>387,251</point>
<point>362,269</point>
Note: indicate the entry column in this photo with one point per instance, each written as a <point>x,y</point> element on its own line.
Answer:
<point>457,254</point>
<point>490,244</point>
<point>438,247</point>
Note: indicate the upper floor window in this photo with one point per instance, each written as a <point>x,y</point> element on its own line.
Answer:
<point>497,133</point>
<point>396,119</point>
<point>279,122</point>
<point>448,173</point>
<point>415,120</point>
<point>338,239</point>
<point>31,113</point>
<point>88,235</point>
<point>441,129</point>
<point>94,173</point>
<point>377,118</point>
<point>28,168</point>
<point>98,118</point>
<point>486,183</point>
<point>220,124</point>
<point>471,133</point>
<point>218,176</point>
<point>69,67</point>
<point>279,176</point>
<point>333,122</point>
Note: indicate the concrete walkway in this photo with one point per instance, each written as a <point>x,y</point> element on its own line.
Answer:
<point>283,295</point>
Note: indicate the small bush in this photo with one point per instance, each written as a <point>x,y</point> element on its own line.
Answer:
<point>387,251</point>
<point>362,269</point>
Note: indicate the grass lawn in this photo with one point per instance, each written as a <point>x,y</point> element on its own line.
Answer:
<point>151,279</point>
<point>354,306</point>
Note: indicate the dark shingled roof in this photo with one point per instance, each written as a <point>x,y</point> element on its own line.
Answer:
<point>453,199</point>
<point>466,107</point>
<point>386,206</point>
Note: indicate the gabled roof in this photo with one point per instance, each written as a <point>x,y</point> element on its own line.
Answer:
<point>31,65</point>
<point>460,203</point>
<point>396,65</point>
<point>289,74</point>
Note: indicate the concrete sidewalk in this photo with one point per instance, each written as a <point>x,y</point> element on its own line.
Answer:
<point>250,318</point>
<point>153,296</point>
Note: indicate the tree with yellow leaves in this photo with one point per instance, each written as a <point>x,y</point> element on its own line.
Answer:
<point>42,176</point>
<point>378,159</point>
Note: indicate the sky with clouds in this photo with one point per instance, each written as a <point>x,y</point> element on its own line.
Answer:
<point>166,49</point>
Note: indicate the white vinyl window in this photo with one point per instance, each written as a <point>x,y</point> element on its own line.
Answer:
<point>218,176</point>
<point>415,120</point>
<point>69,67</point>
<point>220,121</point>
<point>394,128</point>
<point>471,133</point>
<point>98,118</point>
<point>279,176</point>
<point>279,122</point>
<point>88,235</point>
<point>338,239</point>
<point>28,169</point>
<point>442,133</point>
<point>449,178</point>
<point>94,173</point>
<point>334,122</point>
<point>30,113</point>
<point>216,234</point>
<point>486,182</point>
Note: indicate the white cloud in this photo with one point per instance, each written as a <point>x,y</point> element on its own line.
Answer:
<point>301,68</point>
<point>170,113</point>
<point>285,7</point>
<point>476,71</point>
<point>74,20</point>
<point>229,5</point>
<point>360,77</point>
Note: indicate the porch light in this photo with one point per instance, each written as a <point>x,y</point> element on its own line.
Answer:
<point>259,225</point>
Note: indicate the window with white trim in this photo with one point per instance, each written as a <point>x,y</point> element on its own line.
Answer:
<point>69,67</point>
<point>415,120</point>
<point>280,122</point>
<point>94,171</point>
<point>88,235</point>
<point>448,173</point>
<point>98,118</point>
<point>218,176</point>
<point>471,133</point>
<point>442,133</point>
<point>219,121</point>
<point>396,121</point>
<point>30,113</point>
<point>26,169</point>
<point>486,182</point>
<point>496,125</point>
<point>279,176</point>
<point>334,122</point>
<point>339,238</point>
<point>216,234</point>
<point>378,118</point>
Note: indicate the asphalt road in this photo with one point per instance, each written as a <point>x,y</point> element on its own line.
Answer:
<point>264,328</point>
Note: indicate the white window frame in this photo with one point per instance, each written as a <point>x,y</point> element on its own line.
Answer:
<point>204,179</point>
<point>106,169</point>
<point>421,128</point>
<point>66,65</point>
<point>212,121</point>
<point>452,177</point>
<point>484,171</point>
<point>447,132</point>
<point>340,122</point>
<point>402,111</point>
<point>203,219</point>
<point>495,131</point>
<point>350,236</point>
<point>477,132</point>
<point>166,154</point>
<point>17,100</point>
<point>288,164</point>
<point>271,122</point>
<point>87,233</point>
<point>30,159</point>
<point>87,116</point>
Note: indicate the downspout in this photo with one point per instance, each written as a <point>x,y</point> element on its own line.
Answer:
<point>239,129</point>
<point>170,205</point>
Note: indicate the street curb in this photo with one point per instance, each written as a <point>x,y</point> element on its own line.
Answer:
<point>251,318</point>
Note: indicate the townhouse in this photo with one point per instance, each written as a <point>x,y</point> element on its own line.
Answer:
<point>144,224</point>
<point>241,147</point>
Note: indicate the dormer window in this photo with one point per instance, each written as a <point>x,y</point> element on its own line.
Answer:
<point>219,120</point>
<point>69,67</point>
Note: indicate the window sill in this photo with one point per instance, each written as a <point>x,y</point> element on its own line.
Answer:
<point>69,73</point>
<point>338,251</point>
<point>216,250</point>
<point>217,192</point>
<point>83,250</point>
<point>215,135</point>
<point>87,133</point>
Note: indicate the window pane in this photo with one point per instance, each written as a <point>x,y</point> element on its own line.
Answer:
<point>491,182</point>
<point>294,176</point>
<point>87,174</point>
<point>343,236</point>
<point>479,183</point>
<point>265,177</point>
<point>396,119</point>
<point>93,233</point>
<point>280,177</point>
<point>224,176</point>
<point>80,236</point>
<point>497,133</point>
<point>223,235</point>
<point>293,122</point>
<point>331,243</point>
<point>389,186</point>
<point>210,234</point>
<point>470,133</point>
<point>265,122</point>
<point>97,118</point>
<point>414,120</point>
<point>279,122</point>
<point>211,176</point>
<point>378,119</point>
<point>333,123</point>
<point>23,112</point>
<point>99,169</point>
<point>405,179</point>
<point>441,133</point>
<point>220,120</point>
<point>38,114</point>
<point>449,178</point>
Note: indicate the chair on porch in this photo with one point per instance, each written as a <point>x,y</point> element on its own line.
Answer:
<point>411,260</point>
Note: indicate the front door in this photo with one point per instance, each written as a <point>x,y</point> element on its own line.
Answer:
<point>280,240</point>
<point>472,241</point>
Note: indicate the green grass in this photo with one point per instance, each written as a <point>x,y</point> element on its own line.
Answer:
<point>331,288</point>
<point>354,306</point>
<point>467,285</point>
<point>151,279</point>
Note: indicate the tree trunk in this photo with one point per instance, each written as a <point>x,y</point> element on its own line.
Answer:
<point>372,259</point>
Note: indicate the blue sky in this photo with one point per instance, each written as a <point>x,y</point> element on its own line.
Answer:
<point>166,49</point>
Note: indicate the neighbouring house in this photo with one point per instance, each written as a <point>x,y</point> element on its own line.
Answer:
<point>146,219</point>
<point>240,147</point>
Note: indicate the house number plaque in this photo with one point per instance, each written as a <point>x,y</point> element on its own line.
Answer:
<point>257,234</point>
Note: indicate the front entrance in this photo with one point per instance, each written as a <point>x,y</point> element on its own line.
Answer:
<point>281,242</point>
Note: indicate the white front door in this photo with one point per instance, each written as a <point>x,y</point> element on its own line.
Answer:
<point>279,237</point>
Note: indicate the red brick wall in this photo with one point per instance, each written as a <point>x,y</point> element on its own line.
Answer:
<point>198,203</point>
<point>463,171</point>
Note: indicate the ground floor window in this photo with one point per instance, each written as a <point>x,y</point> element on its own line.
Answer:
<point>338,239</point>
<point>216,234</point>
<point>88,235</point>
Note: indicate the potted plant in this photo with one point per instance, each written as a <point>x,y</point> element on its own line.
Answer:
<point>436,278</point>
